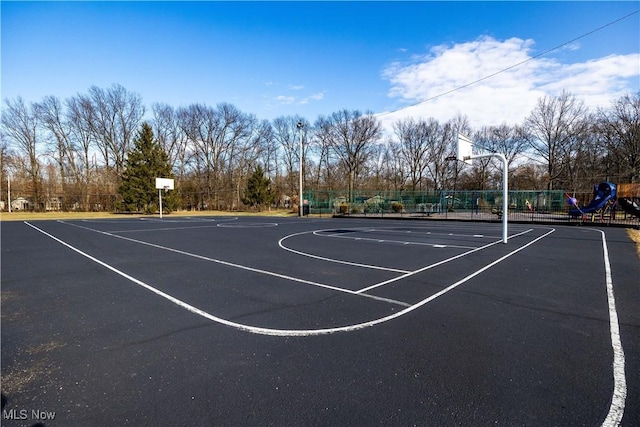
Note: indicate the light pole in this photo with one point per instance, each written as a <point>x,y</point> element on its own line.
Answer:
<point>300,212</point>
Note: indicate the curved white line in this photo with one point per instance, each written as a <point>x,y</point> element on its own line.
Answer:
<point>286,332</point>
<point>616,410</point>
<point>337,261</point>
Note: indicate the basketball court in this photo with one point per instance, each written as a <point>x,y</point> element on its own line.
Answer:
<point>227,321</point>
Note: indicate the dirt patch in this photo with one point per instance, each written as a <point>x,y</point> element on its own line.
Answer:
<point>32,366</point>
<point>18,379</point>
<point>11,314</point>
<point>44,348</point>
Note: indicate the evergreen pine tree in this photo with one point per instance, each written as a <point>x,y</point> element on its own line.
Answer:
<point>258,191</point>
<point>146,162</point>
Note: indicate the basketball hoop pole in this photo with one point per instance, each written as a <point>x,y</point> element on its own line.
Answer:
<point>464,153</point>
<point>160,198</point>
<point>505,188</point>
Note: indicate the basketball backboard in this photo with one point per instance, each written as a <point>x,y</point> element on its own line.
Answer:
<point>464,149</point>
<point>164,184</point>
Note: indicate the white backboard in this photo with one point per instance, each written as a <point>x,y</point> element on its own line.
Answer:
<point>464,149</point>
<point>164,184</point>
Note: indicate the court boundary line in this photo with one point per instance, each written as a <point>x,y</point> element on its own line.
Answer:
<point>284,332</point>
<point>375,267</point>
<point>617,406</point>
<point>392,241</point>
<point>616,410</point>
<point>230,264</point>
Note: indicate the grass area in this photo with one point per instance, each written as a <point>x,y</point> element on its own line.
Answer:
<point>34,216</point>
<point>635,236</point>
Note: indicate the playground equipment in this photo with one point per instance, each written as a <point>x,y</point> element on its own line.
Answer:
<point>629,206</point>
<point>604,197</point>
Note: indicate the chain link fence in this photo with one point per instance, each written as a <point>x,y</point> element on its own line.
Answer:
<point>524,206</point>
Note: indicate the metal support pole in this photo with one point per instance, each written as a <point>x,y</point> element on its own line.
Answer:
<point>160,198</point>
<point>505,189</point>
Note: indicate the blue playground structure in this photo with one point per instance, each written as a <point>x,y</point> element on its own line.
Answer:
<point>604,197</point>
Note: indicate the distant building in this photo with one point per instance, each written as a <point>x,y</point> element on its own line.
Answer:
<point>20,204</point>
<point>54,204</point>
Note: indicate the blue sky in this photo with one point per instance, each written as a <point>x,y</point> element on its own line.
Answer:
<point>312,58</point>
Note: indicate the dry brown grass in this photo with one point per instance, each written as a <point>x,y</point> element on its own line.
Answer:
<point>34,216</point>
<point>635,236</point>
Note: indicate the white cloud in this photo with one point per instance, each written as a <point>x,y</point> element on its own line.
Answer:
<point>296,87</point>
<point>282,99</point>
<point>316,96</point>
<point>443,81</point>
<point>285,100</point>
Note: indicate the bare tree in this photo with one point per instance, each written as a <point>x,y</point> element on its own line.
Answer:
<point>53,117</point>
<point>551,130</point>
<point>352,137</point>
<point>509,141</point>
<point>440,147</point>
<point>287,135</point>
<point>79,110</point>
<point>413,137</point>
<point>396,173</point>
<point>620,129</point>
<point>480,171</point>
<point>172,137</point>
<point>115,115</point>
<point>459,124</point>
<point>322,149</point>
<point>20,125</point>
<point>217,135</point>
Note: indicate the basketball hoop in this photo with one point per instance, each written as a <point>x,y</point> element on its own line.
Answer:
<point>163,184</point>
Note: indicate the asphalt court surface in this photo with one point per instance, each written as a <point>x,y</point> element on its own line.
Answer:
<point>228,321</point>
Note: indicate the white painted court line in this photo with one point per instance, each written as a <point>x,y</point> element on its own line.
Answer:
<point>144,230</point>
<point>248,225</point>
<point>226,263</point>
<point>391,230</point>
<point>400,242</point>
<point>279,332</point>
<point>616,410</point>
<point>333,260</point>
<point>405,273</point>
<point>420,270</point>
<point>191,219</point>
